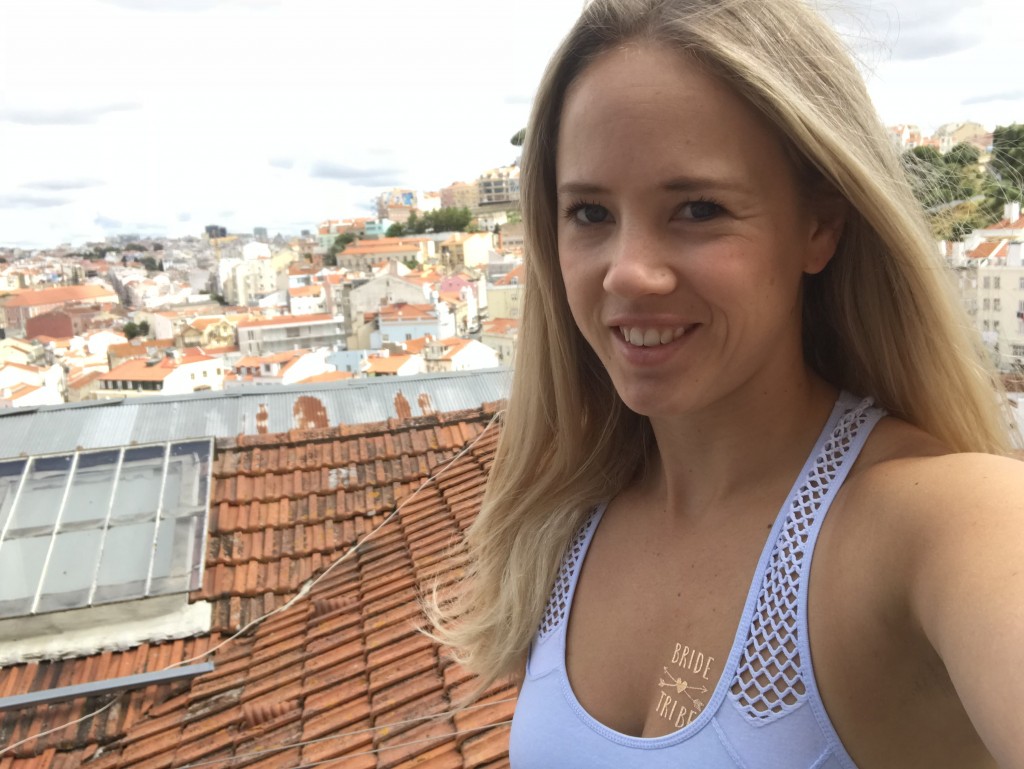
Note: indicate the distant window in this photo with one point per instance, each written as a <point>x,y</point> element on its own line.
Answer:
<point>984,325</point>
<point>995,282</point>
<point>986,303</point>
<point>996,304</point>
<point>98,527</point>
<point>1017,350</point>
<point>986,281</point>
<point>1020,283</point>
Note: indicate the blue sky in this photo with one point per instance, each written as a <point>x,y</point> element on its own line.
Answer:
<point>161,116</point>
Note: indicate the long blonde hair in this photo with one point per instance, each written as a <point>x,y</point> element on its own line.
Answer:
<point>881,320</point>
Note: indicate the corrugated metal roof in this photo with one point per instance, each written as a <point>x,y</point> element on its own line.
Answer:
<point>242,411</point>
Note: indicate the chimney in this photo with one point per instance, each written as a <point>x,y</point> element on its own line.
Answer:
<point>1016,256</point>
<point>1012,211</point>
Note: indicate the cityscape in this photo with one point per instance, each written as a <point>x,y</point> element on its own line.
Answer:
<point>431,283</point>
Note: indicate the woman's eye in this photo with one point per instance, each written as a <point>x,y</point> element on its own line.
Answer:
<point>701,210</point>
<point>591,213</point>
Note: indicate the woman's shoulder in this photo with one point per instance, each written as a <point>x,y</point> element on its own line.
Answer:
<point>943,534</point>
<point>906,472</point>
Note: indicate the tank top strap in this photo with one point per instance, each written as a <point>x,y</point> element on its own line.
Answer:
<point>546,649</point>
<point>774,673</point>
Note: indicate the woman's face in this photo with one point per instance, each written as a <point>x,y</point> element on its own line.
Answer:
<point>683,235</point>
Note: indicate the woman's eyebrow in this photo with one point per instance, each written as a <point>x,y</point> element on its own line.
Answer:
<point>675,184</point>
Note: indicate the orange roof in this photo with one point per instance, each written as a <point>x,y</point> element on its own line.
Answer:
<point>138,346</point>
<point>370,248</point>
<point>327,376</point>
<point>314,290</point>
<point>22,390</point>
<point>990,248</point>
<point>453,345</point>
<point>84,379</point>
<point>139,370</point>
<point>501,326</point>
<point>417,345</point>
<point>517,273</point>
<point>344,661</point>
<point>276,357</point>
<point>394,313</point>
<point>59,295</point>
<point>386,364</point>
<point>201,324</point>
<point>284,320</point>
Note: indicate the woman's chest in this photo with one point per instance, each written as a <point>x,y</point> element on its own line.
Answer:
<point>653,625</point>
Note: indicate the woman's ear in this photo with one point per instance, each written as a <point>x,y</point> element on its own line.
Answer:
<point>830,210</point>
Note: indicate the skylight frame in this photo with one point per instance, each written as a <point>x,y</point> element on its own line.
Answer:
<point>174,553</point>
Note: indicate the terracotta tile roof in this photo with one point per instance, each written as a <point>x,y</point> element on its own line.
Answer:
<point>452,346</point>
<point>501,326</point>
<point>515,276</point>
<point>990,248</point>
<point>138,347</point>
<point>315,290</point>
<point>343,673</point>
<point>394,313</point>
<point>60,295</point>
<point>327,376</point>
<point>370,248</point>
<point>284,320</point>
<point>274,357</point>
<point>139,370</point>
<point>386,364</point>
<point>84,379</point>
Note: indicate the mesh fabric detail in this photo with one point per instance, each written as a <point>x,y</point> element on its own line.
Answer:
<point>769,681</point>
<point>558,602</point>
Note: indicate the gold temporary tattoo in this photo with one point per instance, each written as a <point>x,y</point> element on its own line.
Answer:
<point>676,709</point>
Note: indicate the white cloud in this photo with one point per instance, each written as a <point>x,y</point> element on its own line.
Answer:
<point>267,113</point>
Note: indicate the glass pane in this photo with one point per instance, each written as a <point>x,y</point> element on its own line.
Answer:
<point>71,571</point>
<point>20,568</point>
<point>172,564</point>
<point>185,488</point>
<point>89,498</point>
<point>10,478</point>
<point>42,494</point>
<point>138,487</point>
<point>124,563</point>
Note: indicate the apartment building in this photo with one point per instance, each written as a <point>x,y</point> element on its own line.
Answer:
<point>289,332</point>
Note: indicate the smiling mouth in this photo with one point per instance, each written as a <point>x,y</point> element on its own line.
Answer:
<point>651,337</point>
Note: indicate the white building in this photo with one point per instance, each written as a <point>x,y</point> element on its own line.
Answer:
<point>458,354</point>
<point>175,373</point>
<point>290,332</point>
<point>397,323</point>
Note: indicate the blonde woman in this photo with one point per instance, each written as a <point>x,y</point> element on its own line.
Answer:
<point>747,510</point>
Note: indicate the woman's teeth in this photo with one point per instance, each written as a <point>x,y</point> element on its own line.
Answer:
<point>650,337</point>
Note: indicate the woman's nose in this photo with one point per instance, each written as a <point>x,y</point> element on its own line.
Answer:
<point>639,266</point>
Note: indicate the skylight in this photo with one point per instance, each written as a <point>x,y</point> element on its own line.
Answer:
<point>93,527</point>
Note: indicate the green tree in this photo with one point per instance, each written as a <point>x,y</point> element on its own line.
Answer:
<point>951,189</point>
<point>131,330</point>
<point>962,155</point>
<point>340,244</point>
<point>144,328</point>
<point>518,138</point>
<point>1007,164</point>
<point>396,230</point>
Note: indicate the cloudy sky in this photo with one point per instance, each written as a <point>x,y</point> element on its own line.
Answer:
<point>161,116</point>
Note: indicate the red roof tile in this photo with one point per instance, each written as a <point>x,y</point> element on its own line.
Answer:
<point>343,673</point>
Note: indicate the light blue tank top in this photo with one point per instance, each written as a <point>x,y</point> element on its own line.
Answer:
<point>766,712</point>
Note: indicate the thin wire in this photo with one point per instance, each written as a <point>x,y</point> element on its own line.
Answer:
<point>289,745</point>
<point>303,591</point>
<point>374,751</point>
